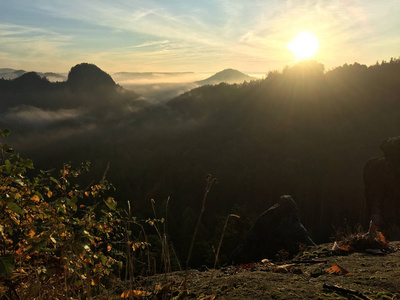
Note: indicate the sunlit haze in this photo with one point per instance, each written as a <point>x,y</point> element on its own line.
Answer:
<point>195,36</point>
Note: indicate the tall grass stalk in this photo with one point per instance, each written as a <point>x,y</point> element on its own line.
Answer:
<point>210,181</point>
<point>166,239</point>
<point>176,257</point>
<point>163,240</point>
<point>220,243</point>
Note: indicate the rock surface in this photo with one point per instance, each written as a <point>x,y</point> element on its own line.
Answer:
<point>382,188</point>
<point>277,229</point>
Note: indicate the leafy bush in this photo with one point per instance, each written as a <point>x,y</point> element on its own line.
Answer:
<point>53,243</point>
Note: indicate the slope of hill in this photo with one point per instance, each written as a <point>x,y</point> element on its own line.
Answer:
<point>228,76</point>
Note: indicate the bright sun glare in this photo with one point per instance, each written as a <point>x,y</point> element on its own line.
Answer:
<point>304,45</point>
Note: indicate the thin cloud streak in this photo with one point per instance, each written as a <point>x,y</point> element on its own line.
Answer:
<point>200,37</point>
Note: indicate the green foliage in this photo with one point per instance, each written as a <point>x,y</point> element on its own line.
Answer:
<point>4,133</point>
<point>6,265</point>
<point>50,235</point>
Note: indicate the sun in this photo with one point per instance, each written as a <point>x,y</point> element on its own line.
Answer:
<point>304,45</point>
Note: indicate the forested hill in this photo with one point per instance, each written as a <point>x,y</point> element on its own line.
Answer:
<point>227,76</point>
<point>302,131</point>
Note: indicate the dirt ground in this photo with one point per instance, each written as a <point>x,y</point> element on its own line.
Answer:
<point>370,276</point>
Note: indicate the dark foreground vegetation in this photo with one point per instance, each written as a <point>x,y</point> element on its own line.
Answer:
<point>302,131</point>
<point>59,241</point>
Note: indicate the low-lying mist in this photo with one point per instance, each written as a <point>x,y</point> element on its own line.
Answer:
<point>157,87</point>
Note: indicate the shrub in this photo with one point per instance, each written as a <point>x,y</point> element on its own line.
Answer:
<point>56,239</point>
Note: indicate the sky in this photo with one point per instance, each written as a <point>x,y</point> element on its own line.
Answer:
<point>197,36</point>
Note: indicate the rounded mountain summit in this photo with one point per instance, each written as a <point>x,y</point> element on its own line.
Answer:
<point>89,77</point>
<point>229,76</point>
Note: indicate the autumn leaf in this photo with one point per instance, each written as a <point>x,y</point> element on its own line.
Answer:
<point>211,297</point>
<point>109,248</point>
<point>381,237</point>
<point>35,198</point>
<point>137,245</point>
<point>166,286</point>
<point>337,270</point>
<point>135,293</point>
<point>16,221</point>
<point>345,247</point>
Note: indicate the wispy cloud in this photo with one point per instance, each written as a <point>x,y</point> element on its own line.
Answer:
<point>182,35</point>
<point>31,46</point>
<point>150,44</point>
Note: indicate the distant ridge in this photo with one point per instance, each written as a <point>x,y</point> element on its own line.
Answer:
<point>8,73</point>
<point>228,76</point>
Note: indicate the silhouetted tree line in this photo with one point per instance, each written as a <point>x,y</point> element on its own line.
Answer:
<point>301,131</point>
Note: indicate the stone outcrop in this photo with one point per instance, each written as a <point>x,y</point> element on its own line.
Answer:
<point>278,228</point>
<point>382,188</point>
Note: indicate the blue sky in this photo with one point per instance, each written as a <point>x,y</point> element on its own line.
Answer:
<point>199,36</point>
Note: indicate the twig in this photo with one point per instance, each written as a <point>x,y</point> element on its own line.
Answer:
<point>345,291</point>
<point>105,172</point>
<point>309,261</point>
<point>176,257</point>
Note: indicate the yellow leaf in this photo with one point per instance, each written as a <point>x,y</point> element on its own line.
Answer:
<point>14,219</point>
<point>136,246</point>
<point>35,198</point>
<point>31,233</point>
<point>135,293</point>
<point>108,248</point>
